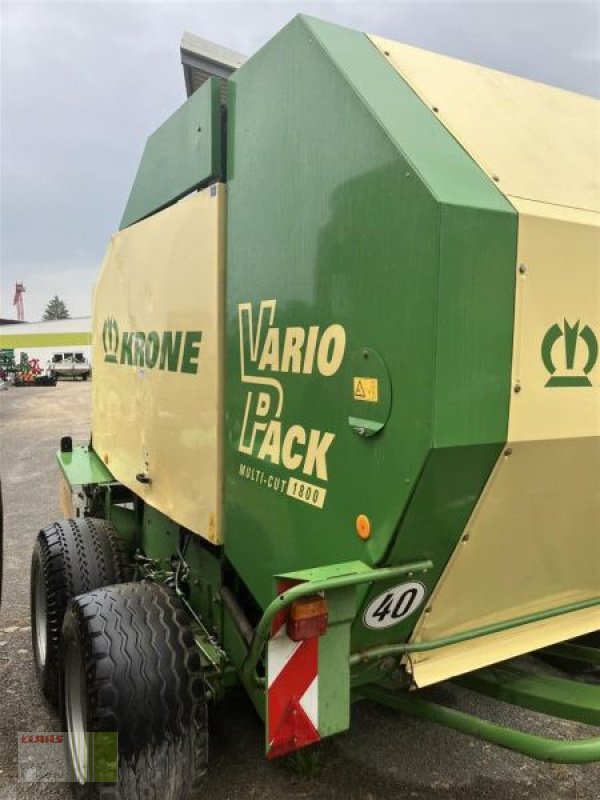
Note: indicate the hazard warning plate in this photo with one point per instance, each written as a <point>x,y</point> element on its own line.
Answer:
<point>366,389</point>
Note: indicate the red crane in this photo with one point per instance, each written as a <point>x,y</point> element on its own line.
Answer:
<point>18,301</point>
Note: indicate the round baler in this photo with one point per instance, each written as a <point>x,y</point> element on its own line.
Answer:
<point>346,406</point>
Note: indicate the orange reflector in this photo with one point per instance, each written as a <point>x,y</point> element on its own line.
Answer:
<point>363,526</point>
<point>307,618</point>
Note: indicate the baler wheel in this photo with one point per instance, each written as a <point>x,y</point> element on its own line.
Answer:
<point>132,667</point>
<point>69,557</point>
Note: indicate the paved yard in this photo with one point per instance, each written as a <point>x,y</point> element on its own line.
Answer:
<point>383,756</point>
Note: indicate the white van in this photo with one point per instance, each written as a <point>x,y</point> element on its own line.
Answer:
<point>69,365</point>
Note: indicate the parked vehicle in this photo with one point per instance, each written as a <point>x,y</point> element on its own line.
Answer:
<point>345,435</point>
<point>69,365</point>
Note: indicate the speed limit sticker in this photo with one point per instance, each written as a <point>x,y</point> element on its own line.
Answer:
<point>394,605</point>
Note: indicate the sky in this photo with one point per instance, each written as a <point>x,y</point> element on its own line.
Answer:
<point>82,85</point>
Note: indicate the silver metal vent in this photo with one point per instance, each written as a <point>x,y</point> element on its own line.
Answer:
<point>202,59</point>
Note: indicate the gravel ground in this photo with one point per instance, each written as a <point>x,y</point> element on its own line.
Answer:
<point>384,755</point>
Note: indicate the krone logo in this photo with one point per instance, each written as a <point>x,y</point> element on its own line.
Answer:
<point>110,339</point>
<point>171,351</point>
<point>563,367</point>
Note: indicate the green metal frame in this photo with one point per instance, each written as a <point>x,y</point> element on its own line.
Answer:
<point>559,697</point>
<point>571,657</point>
<point>82,467</point>
<point>582,751</point>
<point>261,636</point>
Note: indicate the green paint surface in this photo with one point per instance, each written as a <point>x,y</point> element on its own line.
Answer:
<point>448,487</point>
<point>334,669</point>
<point>83,466</point>
<point>180,156</point>
<point>103,766</point>
<point>559,697</point>
<point>322,212</point>
<point>474,325</point>
<point>59,340</point>
<point>349,203</point>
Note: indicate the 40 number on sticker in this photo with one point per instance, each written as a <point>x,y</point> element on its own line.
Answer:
<point>395,604</point>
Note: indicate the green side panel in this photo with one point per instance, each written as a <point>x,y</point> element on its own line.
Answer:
<point>83,466</point>
<point>474,325</point>
<point>436,515</point>
<point>322,212</point>
<point>478,244</point>
<point>478,252</point>
<point>442,164</point>
<point>350,204</point>
<point>181,155</point>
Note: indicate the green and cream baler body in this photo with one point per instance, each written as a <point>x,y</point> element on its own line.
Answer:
<point>356,368</point>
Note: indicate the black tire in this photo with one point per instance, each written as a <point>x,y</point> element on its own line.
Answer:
<point>131,666</point>
<point>85,376</point>
<point>69,557</point>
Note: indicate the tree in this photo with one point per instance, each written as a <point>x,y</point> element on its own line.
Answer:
<point>56,309</point>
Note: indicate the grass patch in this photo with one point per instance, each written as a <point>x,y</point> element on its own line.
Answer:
<point>307,763</point>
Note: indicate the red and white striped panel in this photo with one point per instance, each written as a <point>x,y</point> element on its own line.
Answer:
<point>292,691</point>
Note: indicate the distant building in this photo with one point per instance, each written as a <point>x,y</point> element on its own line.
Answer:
<point>43,339</point>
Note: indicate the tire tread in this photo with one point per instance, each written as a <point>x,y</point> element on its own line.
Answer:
<point>144,681</point>
<point>72,556</point>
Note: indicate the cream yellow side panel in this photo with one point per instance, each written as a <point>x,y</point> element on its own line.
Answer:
<point>157,388</point>
<point>533,542</point>
<point>457,659</point>
<point>536,141</point>
<point>558,284</point>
